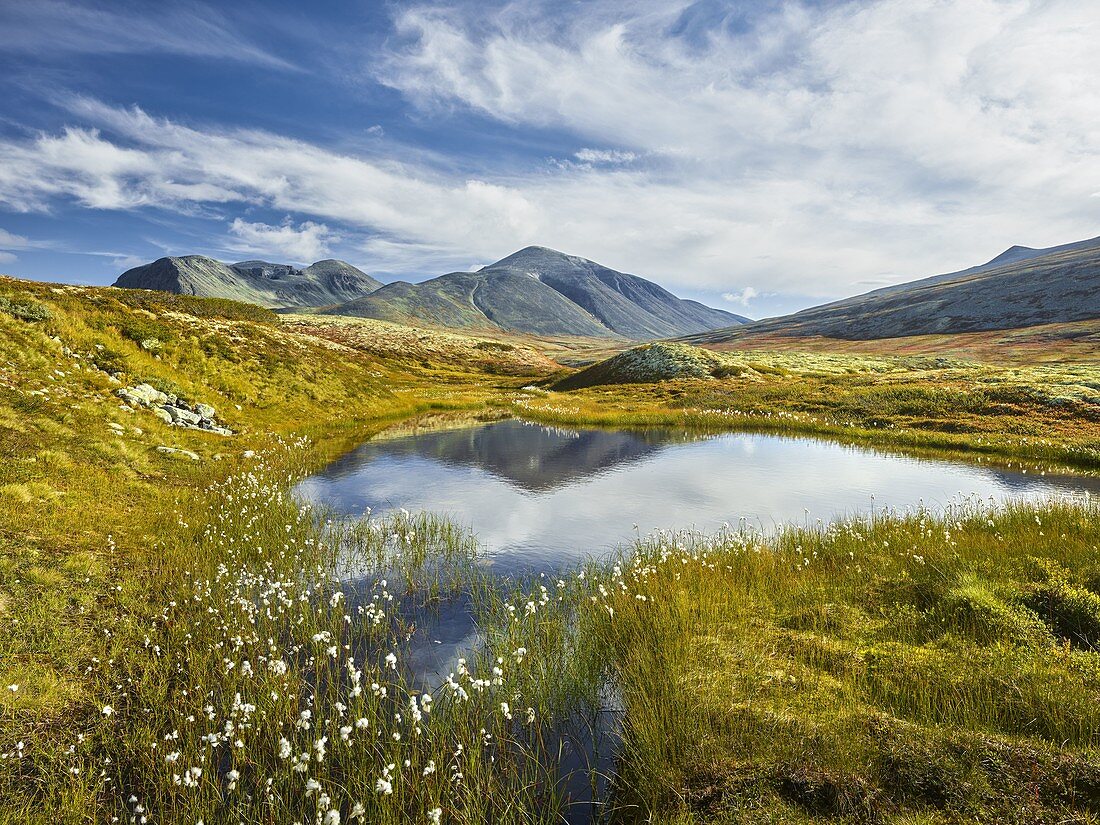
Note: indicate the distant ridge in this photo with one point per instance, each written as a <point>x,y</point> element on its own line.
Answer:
<point>542,292</point>
<point>1021,287</point>
<point>256,282</point>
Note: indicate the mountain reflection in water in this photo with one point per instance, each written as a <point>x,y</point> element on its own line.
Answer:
<point>539,498</point>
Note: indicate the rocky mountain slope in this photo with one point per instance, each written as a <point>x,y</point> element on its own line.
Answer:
<point>256,282</point>
<point>1021,287</point>
<point>542,292</point>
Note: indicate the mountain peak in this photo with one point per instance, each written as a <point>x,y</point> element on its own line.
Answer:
<point>531,255</point>
<point>543,292</point>
<point>324,283</point>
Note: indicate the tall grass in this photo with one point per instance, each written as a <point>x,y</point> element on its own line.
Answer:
<point>872,670</point>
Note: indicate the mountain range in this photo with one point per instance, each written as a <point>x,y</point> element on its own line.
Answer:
<point>535,290</point>
<point>543,292</point>
<point>277,286</point>
<point>1021,287</point>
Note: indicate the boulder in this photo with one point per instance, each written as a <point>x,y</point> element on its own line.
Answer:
<point>182,416</point>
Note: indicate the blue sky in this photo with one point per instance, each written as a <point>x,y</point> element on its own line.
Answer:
<point>757,156</point>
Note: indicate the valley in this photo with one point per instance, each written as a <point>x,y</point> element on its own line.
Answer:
<point>886,638</point>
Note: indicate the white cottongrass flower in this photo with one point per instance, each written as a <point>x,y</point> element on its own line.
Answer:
<point>435,815</point>
<point>108,710</point>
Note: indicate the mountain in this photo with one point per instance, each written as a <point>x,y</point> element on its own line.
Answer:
<point>256,282</point>
<point>542,292</point>
<point>1021,287</point>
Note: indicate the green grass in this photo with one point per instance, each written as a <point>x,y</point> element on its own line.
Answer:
<point>923,669</point>
<point>1046,415</point>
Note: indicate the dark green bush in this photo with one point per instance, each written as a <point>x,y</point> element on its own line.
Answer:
<point>30,311</point>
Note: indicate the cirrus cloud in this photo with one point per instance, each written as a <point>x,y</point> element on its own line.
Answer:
<point>806,147</point>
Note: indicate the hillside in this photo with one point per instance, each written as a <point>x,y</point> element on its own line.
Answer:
<point>1021,287</point>
<point>255,282</point>
<point>542,292</point>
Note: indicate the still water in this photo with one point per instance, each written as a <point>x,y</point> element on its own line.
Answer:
<point>539,498</point>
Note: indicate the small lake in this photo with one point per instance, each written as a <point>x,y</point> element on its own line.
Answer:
<point>541,498</point>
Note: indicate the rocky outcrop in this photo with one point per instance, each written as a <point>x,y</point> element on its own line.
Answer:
<point>172,410</point>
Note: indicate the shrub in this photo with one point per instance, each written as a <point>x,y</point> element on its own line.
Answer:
<point>145,331</point>
<point>108,360</point>
<point>30,311</point>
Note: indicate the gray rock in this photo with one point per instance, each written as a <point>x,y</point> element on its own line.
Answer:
<point>205,411</point>
<point>162,414</point>
<point>182,416</point>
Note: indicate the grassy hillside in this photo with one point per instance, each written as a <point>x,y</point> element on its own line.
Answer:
<point>1074,342</point>
<point>422,350</point>
<point>177,645</point>
<point>94,507</point>
<point>1016,290</point>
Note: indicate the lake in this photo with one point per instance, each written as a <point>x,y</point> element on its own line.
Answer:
<point>540,498</point>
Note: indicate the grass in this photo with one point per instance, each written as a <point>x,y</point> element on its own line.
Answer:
<point>1047,415</point>
<point>917,668</point>
<point>167,621</point>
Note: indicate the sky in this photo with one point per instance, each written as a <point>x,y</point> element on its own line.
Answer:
<point>758,156</point>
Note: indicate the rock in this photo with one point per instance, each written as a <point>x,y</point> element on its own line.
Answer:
<point>181,415</point>
<point>150,395</point>
<point>176,451</point>
<point>171,410</point>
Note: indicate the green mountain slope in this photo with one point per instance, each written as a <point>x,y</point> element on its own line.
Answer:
<point>255,282</point>
<point>1022,287</point>
<point>543,292</point>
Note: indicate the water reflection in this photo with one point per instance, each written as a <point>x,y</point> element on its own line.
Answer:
<point>539,498</point>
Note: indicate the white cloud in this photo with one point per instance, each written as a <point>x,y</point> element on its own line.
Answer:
<point>46,28</point>
<point>838,140</point>
<point>613,156</point>
<point>9,240</point>
<point>743,297</point>
<point>806,149</point>
<point>306,243</point>
<point>8,257</point>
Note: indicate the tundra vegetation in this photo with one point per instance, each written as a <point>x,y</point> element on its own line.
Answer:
<point>183,641</point>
